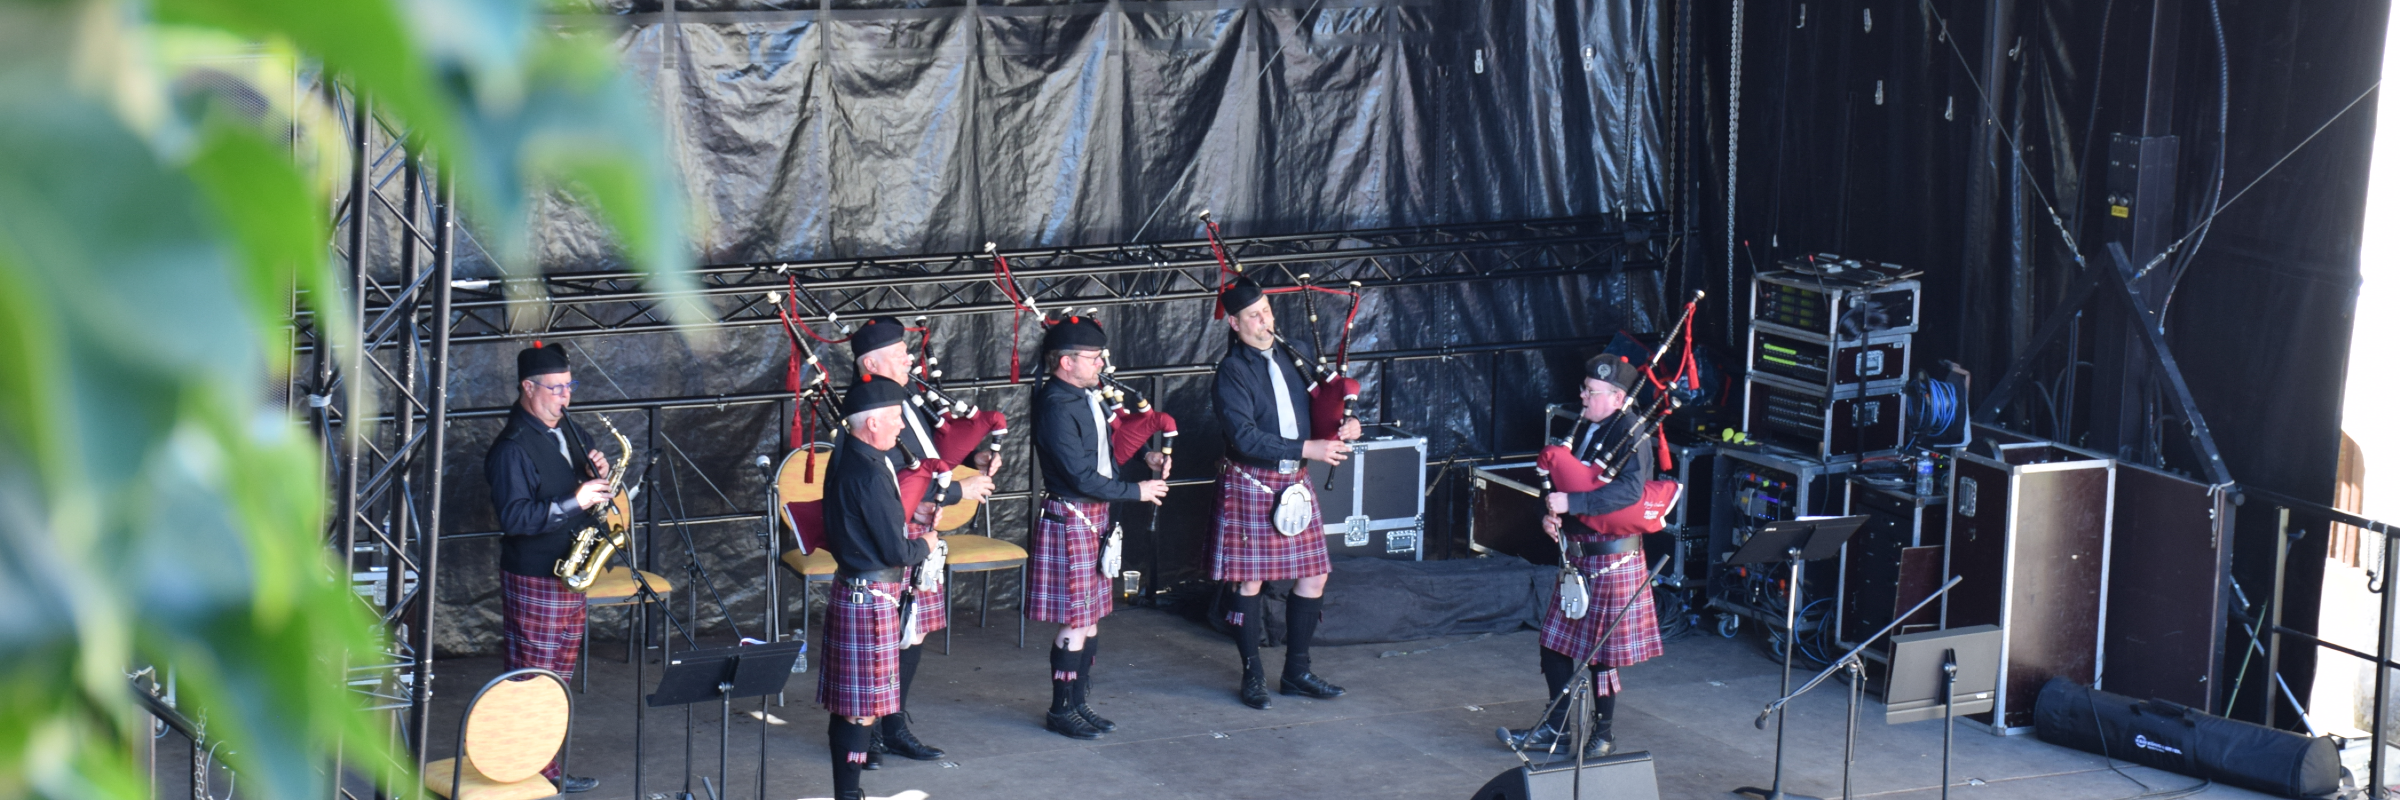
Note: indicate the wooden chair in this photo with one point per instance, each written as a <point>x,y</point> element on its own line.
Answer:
<point>615,587</point>
<point>511,730</point>
<point>984,554</point>
<point>813,568</point>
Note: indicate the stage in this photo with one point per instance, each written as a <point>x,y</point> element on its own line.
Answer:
<point>1417,723</point>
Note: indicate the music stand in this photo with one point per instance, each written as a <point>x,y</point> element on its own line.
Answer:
<point>1943,674</point>
<point>1795,542</point>
<point>722,674</point>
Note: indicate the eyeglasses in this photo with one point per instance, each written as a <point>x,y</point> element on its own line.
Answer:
<point>1087,355</point>
<point>559,388</point>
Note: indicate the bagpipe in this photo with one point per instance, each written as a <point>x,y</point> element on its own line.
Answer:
<point>1132,428</point>
<point>1332,393</point>
<point>1563,471</point>
<point>958,429</point>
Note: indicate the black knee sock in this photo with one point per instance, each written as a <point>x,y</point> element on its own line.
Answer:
<point>909,656</point>
<point>847,741</point>
<point>1604,715</point>
<point>1065,666</point>
<point>1083,674</point>
<point>1249,629</point>
<point>1557,671</point>
<point>1299,630</point>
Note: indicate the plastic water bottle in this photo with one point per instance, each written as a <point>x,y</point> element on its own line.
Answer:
<point>1925,476</point>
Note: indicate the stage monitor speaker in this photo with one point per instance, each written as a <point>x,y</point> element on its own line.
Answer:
<point>1624,776</point>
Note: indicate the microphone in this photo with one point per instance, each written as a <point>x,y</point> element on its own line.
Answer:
<point>766,467</point>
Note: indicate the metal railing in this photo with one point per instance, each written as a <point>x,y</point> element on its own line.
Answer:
<point>2271,629</point>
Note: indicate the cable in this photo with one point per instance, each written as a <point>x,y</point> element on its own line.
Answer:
<point>2216,22</point>
<point>1993,113</point>
<point>2237,196</point>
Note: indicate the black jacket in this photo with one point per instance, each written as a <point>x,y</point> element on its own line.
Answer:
<point>1590,440</point>
<point>864,525</point>
<point>533,492</point>
<point>1246,403</point>
<point>1070,446</point>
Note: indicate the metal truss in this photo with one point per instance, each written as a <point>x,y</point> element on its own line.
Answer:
<point>393,236</point>
<point>593,303</point>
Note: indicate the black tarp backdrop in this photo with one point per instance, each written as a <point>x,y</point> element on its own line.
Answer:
<point>847,130</point>
<point>1864,133</point>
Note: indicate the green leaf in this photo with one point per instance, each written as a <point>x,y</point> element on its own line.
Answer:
<point>364,42</point>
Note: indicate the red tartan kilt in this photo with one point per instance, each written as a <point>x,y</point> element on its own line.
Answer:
<point>542,621</point>
<point>1064,584</point>
<point>1635,640</point>
<point>861,676</point>
<point>1247,546</point>
<point>933,608</point>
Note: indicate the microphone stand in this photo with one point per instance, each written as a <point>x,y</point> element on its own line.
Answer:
<point>649,596</point>
<point>1582,683</point>
<point>1850,662</point>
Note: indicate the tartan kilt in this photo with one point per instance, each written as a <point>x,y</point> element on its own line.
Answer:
<point>1614,579</point>
<point>861,677</point>
<point>933,608</point>
<point>1247,546</point>
<point>1064,584</point>
<point>542,620</point>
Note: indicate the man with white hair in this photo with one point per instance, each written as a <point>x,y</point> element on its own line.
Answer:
<point>881,349</point>
<point>866,530</point>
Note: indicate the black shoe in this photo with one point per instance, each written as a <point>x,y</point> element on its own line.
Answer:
<point>860,794</point>
<point>874,748</point>
<point>1070,724</point>
<point>1254,686</point>
<point>1094,719</point>
<point>1599,747</point>
<point>569,784</point>
<point>1538,738</point>
<point>897,740</point>
<point>1309,685</point>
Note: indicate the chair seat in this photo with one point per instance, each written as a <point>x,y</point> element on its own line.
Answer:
<point>474,786</point>
<point>817,566</point>
<point>971,553</point>
<point>616,587</point>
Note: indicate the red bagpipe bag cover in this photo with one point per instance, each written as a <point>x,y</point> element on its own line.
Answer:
<point>955,437</point>
<point>1129,430</point>
<point>1325,405</point>
<point>1649,515</point>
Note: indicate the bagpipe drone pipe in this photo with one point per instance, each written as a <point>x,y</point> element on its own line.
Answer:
<point>1560,467</point>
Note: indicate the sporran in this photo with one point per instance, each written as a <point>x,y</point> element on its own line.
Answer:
<point>1293,508</point>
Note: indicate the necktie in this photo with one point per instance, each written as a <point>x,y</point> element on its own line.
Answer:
<point>1284,424</point>
<point>1100,424</point>
<point>561,436</point>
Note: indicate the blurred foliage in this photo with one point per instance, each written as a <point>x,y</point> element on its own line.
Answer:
<point>155,507</point>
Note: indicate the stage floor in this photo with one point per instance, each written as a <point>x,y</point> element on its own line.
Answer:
<point>1417,723</point>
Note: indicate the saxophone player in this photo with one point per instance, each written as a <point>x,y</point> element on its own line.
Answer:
<point>543,494</point>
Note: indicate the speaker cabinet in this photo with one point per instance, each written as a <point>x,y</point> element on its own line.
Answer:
<point>1624,776</point>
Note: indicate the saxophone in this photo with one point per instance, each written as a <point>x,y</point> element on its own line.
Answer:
<point>595,545</point>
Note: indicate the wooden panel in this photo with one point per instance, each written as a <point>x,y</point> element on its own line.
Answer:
<point>1920,575</point>
<point>2166,609</point>
<point>2056,568</point>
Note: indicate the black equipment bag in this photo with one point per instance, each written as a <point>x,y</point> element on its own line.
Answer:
<point>2178,738</point>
